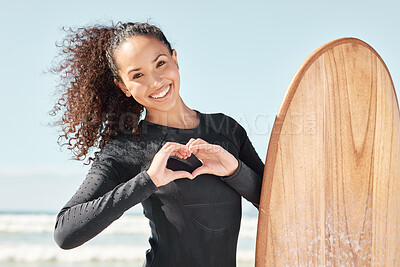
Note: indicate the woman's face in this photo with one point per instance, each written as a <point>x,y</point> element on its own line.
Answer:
<point>149,73</point>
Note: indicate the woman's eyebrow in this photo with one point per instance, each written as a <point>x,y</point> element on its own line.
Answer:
<point>153,61</point>
<point>158,57</point>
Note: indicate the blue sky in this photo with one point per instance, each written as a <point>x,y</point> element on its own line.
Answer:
<point>235,57</point>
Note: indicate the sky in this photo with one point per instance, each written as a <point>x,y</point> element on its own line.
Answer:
<point>235,57</point>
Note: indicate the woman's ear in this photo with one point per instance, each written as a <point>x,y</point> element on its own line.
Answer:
<point>175,57</point>
<point>122,86</point>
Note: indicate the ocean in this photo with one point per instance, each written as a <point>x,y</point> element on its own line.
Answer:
<point>26,240</point>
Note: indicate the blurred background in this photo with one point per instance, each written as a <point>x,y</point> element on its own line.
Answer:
<point>235,57</point>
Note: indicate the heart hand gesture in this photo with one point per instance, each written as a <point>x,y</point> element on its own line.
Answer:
<point>215,159</point>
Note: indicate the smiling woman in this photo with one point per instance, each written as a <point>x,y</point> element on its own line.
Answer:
<point>154,81</point>
<point>188,169</point>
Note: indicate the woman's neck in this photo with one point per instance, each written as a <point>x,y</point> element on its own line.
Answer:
<point>180,117</point>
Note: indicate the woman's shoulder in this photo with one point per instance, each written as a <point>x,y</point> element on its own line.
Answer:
<point>127,147</point>
<point>222,122</point>
<point>119,156</point>
<point>118,146</point>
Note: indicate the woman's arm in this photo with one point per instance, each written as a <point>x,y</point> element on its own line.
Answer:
<point>108,191</point>
<point>247,179</point>
<point>100,200</point>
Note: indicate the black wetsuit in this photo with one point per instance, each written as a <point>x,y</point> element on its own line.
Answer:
<point>193,222</point>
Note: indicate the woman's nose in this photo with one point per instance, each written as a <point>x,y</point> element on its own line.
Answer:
<point>155,79</point>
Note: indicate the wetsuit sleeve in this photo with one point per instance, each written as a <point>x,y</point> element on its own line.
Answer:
<point>100,200</point>
<point>247,179</point>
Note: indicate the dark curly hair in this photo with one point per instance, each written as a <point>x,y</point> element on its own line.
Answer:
<point>93,108</point>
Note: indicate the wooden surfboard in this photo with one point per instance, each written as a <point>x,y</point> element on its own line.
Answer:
<point>331,189</point>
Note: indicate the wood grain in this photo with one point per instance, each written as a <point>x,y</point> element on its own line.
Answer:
<point>331,189</point>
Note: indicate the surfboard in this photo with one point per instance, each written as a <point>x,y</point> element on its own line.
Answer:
<point>331,188</point>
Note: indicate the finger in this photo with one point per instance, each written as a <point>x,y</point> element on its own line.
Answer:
<point>171,150</point>
<point>185,150</point>
<point>170,144</point>
<point>196,141</point>
<point>182,152</point>
<point>176,147</point>
<point>190,141</point>
<point>193,141</point>
<point>178,154</point>
<point>203,147</point>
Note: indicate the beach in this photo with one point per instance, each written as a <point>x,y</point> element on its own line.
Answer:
<point>26,240</point>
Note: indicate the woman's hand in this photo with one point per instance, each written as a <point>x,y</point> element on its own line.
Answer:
<point>158,171</point>
<point>216,160</point>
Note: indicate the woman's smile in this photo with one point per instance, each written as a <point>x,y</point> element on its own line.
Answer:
<point>162,94</point>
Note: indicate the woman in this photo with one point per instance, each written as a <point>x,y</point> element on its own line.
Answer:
<point>188,169</point>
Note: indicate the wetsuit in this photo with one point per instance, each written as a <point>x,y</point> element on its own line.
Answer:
<point>193,222</point>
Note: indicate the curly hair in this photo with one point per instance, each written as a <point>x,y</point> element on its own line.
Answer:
<point>93,108</point>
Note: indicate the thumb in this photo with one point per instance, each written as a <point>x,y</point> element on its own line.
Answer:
<point>199,170</point>
<point>182,174</point>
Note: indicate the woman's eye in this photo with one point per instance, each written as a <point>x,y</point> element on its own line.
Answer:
<point>159,64</point>
<point>137,75</point>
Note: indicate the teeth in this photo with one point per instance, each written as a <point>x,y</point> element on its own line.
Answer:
<point>161,94</point>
